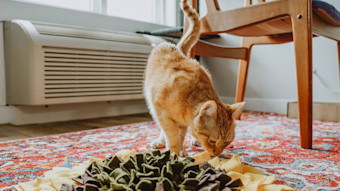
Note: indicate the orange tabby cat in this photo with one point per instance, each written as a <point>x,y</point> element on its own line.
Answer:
<point>180,95</point>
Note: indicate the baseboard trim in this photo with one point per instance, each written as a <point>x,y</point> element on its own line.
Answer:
<point>266,105</point>
<point>5,114</point>
<point>23,115</point>
<point>323,111</point>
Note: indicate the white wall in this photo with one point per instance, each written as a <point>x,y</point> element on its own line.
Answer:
<point>4,111</point>
<point>13,9</point>
<point>272,76</point>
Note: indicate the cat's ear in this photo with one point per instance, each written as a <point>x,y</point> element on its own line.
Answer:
<point>209,109</point>
<point>237,108</point>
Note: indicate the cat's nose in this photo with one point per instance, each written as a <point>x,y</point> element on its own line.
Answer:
<point>217,153</point>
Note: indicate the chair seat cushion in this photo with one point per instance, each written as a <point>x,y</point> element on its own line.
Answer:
<point>175,32</point>
<point>326,12</point>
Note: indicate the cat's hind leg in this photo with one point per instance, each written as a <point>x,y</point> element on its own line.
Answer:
<point>194,142</point>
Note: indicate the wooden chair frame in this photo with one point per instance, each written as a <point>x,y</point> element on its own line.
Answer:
<point>272,22</point>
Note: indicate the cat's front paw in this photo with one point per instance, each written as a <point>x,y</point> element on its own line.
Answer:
<point>183,154</point>
<point>195,143</point>
<point>158,144</point>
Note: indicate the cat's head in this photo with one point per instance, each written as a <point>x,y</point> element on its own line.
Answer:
<point>214,125</point>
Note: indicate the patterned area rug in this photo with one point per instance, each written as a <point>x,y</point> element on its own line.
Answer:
<point>267,141</point>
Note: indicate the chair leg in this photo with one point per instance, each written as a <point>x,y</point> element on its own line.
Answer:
<point>241,80</point>
<point>301,20</point>
<point>243,73</point>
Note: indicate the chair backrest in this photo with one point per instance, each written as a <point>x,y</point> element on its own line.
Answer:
<point>233,21</point>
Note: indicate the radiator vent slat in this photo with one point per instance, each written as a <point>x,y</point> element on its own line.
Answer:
<point>94,93</point>
<point>91,89</point>
<point>81,69</point>
<point>92,73</point>
<point>90,65</point>
<point>93,56</point>
<point>117,96</point>
<point>107,61</point>
<point>79,86</point>
<point>105,81</point>
<point>92,77</point>
<point>71,73</point>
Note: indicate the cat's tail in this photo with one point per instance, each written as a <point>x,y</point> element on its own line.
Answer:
<point>192,35</point>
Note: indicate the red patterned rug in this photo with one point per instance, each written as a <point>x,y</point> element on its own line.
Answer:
<point>267,141</point>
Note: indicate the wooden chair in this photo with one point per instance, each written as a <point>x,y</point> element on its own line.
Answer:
<point>273,22</point>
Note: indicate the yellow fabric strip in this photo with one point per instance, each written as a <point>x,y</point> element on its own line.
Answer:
<point>253,179</point>
<point>53,179</point>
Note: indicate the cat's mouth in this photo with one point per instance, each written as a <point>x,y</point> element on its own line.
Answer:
<point>213,151</point>
<point>217,152</point>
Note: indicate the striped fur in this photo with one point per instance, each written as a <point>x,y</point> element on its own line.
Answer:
<point>192,35</point>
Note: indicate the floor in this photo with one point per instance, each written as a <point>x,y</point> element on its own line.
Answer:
<point>12,132</point>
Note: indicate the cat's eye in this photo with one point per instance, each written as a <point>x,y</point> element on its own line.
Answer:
<point>211,141</point>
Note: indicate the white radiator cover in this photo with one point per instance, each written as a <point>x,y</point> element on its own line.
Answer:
<point>53,64</point>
